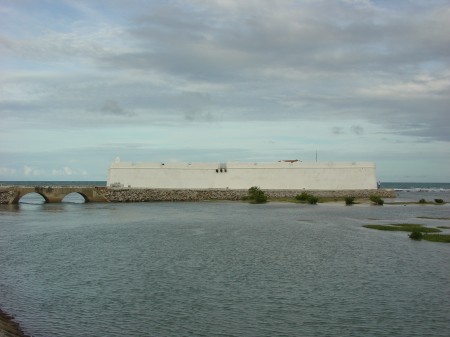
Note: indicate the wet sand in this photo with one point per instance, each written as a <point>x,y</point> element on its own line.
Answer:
<point>9,328</point>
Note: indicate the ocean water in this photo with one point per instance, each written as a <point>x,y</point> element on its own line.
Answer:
<point>224,269</point>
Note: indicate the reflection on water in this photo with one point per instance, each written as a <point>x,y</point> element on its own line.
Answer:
<point>222,268</point>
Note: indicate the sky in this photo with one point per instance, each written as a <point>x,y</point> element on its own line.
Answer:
<point>85,81</point>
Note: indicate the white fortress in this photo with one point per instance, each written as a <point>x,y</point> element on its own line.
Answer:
<point>282,175</point>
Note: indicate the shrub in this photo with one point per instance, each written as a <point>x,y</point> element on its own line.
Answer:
<point>349,200</point>
<point>438,201</point>
<point>306,197</point>
<point>312,200</point>
<point>303,196</point>
<point>422,201</point>
<point>416,235</point>
<point>376,199</point>
<point>257,195</point>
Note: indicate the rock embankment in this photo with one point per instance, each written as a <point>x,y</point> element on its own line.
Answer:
<point>143,194</point>
<point>6,195</point>
<point>9,328</point>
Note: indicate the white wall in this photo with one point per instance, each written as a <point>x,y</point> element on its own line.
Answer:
<point>279,175</point>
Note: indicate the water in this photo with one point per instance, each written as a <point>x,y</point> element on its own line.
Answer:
<point>223,269</point>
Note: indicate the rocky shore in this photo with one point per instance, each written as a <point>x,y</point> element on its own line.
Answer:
<point>145,194</point>
<point>8,327</point>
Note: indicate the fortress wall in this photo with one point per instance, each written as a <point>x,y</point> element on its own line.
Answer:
<point>283,176</point>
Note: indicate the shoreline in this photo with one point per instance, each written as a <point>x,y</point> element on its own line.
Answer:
<point>9,327</point>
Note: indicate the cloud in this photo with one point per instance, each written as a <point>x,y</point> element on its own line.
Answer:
<point>30,171</point>
<point>7,172</point>
<point>111,107</point>
<point>338,130</point>
<point>357,129</point>
<point>269,59</point>
<point>68,172</point>
<point>135,73</point>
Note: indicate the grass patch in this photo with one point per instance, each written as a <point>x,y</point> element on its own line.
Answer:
<point>404,228</point>
<point>412,203</point>
<point>418,232</point>
<point>437,237</point>
<point>444,227</point>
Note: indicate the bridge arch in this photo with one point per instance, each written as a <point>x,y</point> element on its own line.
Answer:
<point>52,194</point>
<point>29,195</point>
<point>75,195</point>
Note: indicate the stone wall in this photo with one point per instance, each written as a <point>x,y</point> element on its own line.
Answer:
<point>6,195</point>
<point>142,194</point>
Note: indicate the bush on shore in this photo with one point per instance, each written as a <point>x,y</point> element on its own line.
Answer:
<point>306,197</point>
<point>349,200</point>
<point>257,195</point>
<point>376,200</point>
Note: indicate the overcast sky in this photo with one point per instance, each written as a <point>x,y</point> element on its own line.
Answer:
<point>82,82</point>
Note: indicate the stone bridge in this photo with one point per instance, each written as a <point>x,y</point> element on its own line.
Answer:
<point>12,195</point>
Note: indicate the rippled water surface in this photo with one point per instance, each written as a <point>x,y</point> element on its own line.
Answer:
<point>222,269</point>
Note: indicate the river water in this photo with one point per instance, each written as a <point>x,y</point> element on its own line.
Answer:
<point>223,269</point>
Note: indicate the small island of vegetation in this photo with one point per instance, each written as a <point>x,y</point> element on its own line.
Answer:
<point>417,232</point>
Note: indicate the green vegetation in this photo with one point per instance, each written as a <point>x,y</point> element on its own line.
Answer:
<point>306,197</point>
<point>376,199</point>
<point>257,195</point>
<point>416,235</point>
<point>303,196</point>
<point>349,200</point>
<point>404,228</point>
<point>420,202</point>
<point>444,227</point>
<point>432,218</point>
<point>418,232</point>
<point>438,201</point>
<point>437,237</point>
